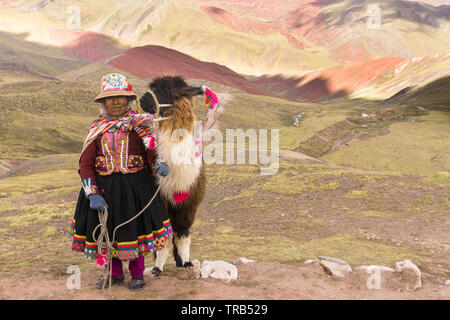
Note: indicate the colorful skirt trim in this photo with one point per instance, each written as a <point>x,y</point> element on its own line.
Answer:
<point>126,250</point>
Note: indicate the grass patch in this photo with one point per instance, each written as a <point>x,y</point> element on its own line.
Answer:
<point>48,163</point>
<point>309,224</point>
<point>357,194</point>
<point>439,178</point>
<point>44,117</point>
<point>284,249</point>
<point>35,214</point>
<point>224,230</point>
<point>36,236</point>
<point>218,175</point>
<point>303,213</point>
<point>61,192</point>
<point>246,193</point>
<point>408,148</point>
<point>424,204</point>
<point>40,182</point>
<point>297,179</point>
<point>32,228</point>
<point>372,213</point>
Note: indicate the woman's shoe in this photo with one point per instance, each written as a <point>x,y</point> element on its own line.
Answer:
<point>137,284</point>
<point>114,281</point>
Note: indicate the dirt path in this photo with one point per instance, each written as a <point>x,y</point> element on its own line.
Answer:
<point>292,155</point>
<point>7,166</point>
<point>435,160</point>
<point>256,281</point>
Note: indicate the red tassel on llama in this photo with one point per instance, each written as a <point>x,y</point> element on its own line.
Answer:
<point>102,259</point>
<point>180,196</point>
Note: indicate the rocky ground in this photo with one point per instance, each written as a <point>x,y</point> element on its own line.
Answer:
<point>256,281</point>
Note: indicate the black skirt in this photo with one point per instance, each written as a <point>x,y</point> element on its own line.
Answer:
<point>126,195</point>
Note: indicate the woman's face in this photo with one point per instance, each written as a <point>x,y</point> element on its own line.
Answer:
<point>116,106</point>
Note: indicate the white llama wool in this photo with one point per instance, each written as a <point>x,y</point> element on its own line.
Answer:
<point>180,158</point>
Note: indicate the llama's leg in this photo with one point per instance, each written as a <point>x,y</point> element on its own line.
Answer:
<point>161,257</point>
<point>181,250</point>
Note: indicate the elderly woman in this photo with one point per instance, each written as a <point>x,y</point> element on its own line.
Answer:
<point>115,171</point>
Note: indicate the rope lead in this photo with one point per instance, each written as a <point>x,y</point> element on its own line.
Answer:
<point>103,241</point>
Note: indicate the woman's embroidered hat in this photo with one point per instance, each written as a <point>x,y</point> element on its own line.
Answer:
<point>115,84</point>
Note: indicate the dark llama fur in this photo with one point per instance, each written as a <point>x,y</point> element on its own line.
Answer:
<point>174,90</point>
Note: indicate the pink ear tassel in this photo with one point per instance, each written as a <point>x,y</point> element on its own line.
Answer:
<point>180,196</point>
<point>211,98</point>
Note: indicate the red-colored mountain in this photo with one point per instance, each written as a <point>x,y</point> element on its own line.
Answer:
<point>150,61</point>
<point>338,80</point>
<point>86,45</point>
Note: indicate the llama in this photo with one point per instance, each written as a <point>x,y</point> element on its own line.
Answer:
<point>184,187</point>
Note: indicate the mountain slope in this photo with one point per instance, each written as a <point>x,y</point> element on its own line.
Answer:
<point>302,50</point>
<point>379,78</point>
<point>151,61</point>
<point>88,45</point>
<point>257,37</point>
<point>19,55</point>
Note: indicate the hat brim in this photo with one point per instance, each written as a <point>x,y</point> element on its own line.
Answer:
<point>114,93</point>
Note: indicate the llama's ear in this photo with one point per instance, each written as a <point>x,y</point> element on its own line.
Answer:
<point>148,103</point>
<point>192,91</point>
<point>152,87</point>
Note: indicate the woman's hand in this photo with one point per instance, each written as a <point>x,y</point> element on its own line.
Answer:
<point>162,169</point>
<point>96,202</point>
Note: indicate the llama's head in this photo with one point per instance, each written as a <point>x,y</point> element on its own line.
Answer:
<point>172,91</point>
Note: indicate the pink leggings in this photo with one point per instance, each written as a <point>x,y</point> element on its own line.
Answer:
<point>136,266</point>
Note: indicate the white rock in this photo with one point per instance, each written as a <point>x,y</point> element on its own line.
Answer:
<point>219,269</point>
<point>365,115</point>
<point>447,283</point>
<point>242,260</point>
<point>309,261</point>
<point>335,266</point>
<point>148,270</point>
<point>407,266</point>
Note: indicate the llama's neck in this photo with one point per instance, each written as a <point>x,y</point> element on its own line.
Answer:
<point>181,117</point>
